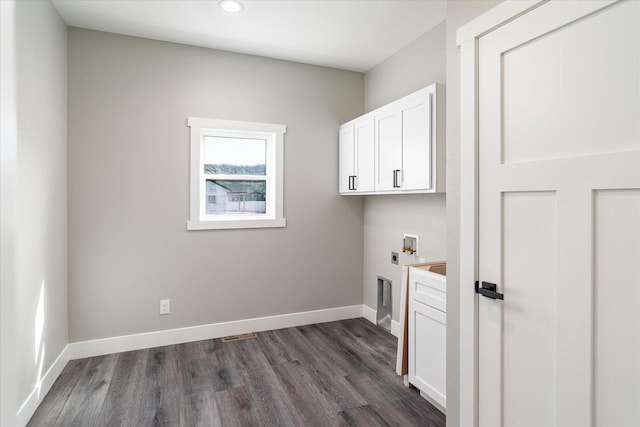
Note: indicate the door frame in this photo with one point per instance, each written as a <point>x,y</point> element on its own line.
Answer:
<point>467,38</point>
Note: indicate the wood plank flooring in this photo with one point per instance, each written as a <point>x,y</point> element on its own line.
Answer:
<point>330,374</point>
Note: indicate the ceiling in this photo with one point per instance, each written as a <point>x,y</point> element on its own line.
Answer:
<point>347,34</point>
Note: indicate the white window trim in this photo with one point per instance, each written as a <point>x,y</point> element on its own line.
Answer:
<point>273,134</point>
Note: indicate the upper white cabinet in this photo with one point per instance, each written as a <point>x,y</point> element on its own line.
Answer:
<point>415,172</point>
<point>408,147</point>
<point>357,156</point>
<point>347,155</point>
<point>389,148</point>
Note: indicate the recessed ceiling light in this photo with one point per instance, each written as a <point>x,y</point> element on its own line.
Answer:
<point>230,6</point>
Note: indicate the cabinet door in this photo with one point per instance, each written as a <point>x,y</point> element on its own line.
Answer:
<point>347,158</point>
<point>364,153</point>
<point>427,352</point>
<point>389,138</point>
<point>416,144</point>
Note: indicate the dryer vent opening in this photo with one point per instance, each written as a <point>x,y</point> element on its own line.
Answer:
<point>384,313</point>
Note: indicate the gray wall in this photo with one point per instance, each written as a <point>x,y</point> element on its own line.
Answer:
<point>386,218</point>
<point>458,14</point>
<point>129,182</point>
<point>34,200</point>
<point>9,399</point>
<point>415,66</point>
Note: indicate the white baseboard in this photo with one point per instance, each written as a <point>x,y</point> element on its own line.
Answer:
<point>40,390</point>
<point>395,328</point>
<point>370,314</point>
<point>78,350</point>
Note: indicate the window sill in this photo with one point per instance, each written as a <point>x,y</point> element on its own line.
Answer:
<point>236,224</point>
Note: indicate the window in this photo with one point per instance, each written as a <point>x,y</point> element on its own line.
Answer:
<point>236,174</point>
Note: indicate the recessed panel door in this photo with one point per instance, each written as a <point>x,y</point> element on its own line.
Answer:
<point>365,153</point>
<point>347,158</point>
<point>559,215</point>
<point>416,144</point>
<point>389,146</point>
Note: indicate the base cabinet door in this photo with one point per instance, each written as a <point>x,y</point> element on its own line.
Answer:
<point>427,352</point>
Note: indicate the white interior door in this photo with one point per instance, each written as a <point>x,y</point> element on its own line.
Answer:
<point>559,217</point>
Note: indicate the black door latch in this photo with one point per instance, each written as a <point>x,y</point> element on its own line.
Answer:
<point>489,290</point>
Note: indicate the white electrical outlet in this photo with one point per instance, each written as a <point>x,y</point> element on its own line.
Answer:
<point>165,306</point>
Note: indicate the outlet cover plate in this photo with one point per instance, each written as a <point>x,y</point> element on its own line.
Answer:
<point>394,258</point>
<point>165,306</point>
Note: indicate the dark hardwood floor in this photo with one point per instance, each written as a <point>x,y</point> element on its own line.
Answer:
<point>330,374</point>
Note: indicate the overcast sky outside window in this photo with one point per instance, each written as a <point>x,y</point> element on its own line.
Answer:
<point>234,151</point>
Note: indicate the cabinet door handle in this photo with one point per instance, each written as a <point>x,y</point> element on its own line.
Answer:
<point>395,178</point>
<point>355,182</point>
<point>352,182</point>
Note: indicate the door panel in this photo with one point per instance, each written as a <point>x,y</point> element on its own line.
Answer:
<point>428,350</point>
<point>389,128</point>
<point>365,151</point>
<point>616,301</point>
<point>416,144</point>
<point>347,157</point>
<point>559,107</point>
<point>529,318</point>
<point>570,76</point>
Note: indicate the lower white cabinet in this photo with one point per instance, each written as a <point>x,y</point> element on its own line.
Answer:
<point>427,334</point>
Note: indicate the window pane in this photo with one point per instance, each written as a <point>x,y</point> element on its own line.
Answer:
<point>235,197</point>
<point>234,156</point>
